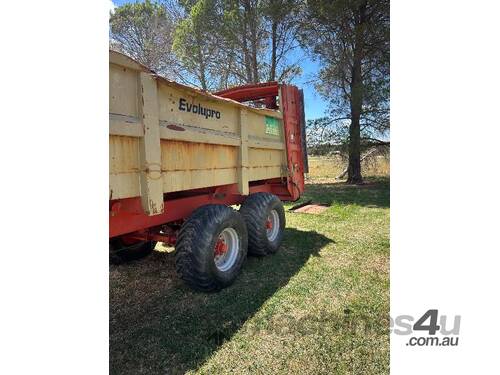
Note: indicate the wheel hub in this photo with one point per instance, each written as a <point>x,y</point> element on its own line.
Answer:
<point>272,225</point>
<point>220,247</point>
<point>226,249</point>
<point>269,223</point>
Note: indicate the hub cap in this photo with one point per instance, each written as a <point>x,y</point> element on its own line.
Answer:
<point>272,225</point>
<point>226,249</point>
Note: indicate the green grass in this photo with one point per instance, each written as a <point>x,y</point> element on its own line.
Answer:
<point>318,306</point>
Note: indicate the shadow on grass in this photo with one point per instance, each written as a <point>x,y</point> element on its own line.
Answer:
<point>374,192</point>
<point>160,326</point>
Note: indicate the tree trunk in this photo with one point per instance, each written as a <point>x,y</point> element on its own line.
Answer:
<point>246,53</point>
<point>344,172</point>
<point>274,28</point>
<point>354,167</point>
<point>252,24</point>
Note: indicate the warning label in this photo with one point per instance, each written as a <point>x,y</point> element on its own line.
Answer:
<point>272,126</point>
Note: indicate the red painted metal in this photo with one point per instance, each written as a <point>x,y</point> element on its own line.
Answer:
<point>128,218</point>
<point>251,92</point>
<point>131,240</point>
<point>292,110</point>
<point>220,248</point>
<point>291,107</point>
<point>269,224</point>
<point>150,234</point>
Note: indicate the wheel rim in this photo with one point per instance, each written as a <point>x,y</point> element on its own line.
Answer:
<point>272,225</point>
<point>226,249</point>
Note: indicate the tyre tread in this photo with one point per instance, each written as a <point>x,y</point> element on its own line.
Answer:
<point>196,236</point>
<point>254,211</point>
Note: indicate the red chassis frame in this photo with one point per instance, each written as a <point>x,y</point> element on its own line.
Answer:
<point>127,218</point>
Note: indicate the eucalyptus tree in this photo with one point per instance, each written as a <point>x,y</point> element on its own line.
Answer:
<point>351,40</point>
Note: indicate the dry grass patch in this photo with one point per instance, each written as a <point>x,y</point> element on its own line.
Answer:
<point>322,167</point>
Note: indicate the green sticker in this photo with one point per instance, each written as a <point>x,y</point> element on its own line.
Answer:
<point>272,126</point>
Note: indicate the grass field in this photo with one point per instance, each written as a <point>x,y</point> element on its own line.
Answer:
<point>318,306</point>
<point>328,167</point>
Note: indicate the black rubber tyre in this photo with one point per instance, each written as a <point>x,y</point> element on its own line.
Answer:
<point>256,210</point>
<point>120,253</point>
<point>195,248</point>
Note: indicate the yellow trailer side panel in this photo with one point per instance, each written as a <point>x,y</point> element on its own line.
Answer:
<point>171,137</point>
<point>191,165</point>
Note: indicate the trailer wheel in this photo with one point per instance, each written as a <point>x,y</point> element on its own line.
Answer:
<point>265,219</point>
<point>121,252</point>
<point>211,247</point>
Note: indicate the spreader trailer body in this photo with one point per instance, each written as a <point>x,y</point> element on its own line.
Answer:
<point>179,158</point>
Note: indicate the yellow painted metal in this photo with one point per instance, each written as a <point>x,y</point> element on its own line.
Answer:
<point>160,143</point>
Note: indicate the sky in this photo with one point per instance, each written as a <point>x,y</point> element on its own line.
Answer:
<point>315,106</point>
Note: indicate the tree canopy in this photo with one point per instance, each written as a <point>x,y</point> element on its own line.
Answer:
<point>351,40</point>
<point>144,31</point>
<point>216,44</point>
<point>229,42</point>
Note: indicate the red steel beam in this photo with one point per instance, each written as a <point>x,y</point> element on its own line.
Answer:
<point>250,92</point>
<point>127,215</point>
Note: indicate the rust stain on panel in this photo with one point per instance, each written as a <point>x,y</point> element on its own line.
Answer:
<point>123,154</point>
<point>187,156</point>
<point>185,180</point>
<point>176,127</point>
<point>261,157</point>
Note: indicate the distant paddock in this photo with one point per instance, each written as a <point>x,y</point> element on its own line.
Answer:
<point>332,166</point>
